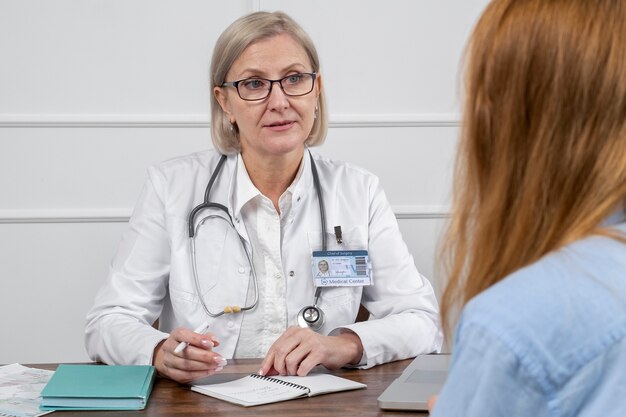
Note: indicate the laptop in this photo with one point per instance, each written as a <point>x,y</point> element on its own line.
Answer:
<point>423,378</point>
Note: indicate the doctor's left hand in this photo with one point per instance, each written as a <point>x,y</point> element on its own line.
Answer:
<point>299,350</point>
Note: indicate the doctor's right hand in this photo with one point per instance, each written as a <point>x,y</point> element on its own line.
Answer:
<point>196,361</point>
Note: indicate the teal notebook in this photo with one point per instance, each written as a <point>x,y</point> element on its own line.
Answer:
<point>98,387</point>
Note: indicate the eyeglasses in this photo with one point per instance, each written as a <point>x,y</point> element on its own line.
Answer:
<point>293,85</point>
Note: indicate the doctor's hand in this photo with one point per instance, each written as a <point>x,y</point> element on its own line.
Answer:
<point>431,403</point>
<point>196,361</point>
<point>299,350</point>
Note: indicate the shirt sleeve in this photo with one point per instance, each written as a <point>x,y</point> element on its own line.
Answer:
<point>487,378</point>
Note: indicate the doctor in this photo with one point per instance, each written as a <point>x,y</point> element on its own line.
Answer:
<point>249,274</point>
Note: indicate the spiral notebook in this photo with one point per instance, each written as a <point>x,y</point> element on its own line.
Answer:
<point>255,389</point>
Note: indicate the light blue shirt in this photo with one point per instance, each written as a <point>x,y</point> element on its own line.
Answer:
<point>549,340</point>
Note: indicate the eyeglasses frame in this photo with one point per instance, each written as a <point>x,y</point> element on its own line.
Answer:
<point>269,91</point>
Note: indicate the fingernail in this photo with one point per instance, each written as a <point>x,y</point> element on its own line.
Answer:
<point>214,339</point>
<point>220,361</point>
<point>207,343</point>
<point>260,371</point>
<point>219,368</point>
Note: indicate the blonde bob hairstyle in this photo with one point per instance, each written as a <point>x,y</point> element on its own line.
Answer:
<point>230,45</point>
<point>542,154</point>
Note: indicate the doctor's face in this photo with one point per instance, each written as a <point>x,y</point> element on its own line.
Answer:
<point>279,124</point>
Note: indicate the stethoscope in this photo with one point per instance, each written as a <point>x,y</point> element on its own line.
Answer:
<point>310,316</point>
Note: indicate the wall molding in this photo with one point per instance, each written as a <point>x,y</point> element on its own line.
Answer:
<point>394,120</point>
<point>65,216</point>
<point>363,120</point>
<point>421,211</point>
<point>114,215</point>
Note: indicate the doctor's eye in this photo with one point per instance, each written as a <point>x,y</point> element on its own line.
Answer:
<point>292,79</point>
<point>254,84</point>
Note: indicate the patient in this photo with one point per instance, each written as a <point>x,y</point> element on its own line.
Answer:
<point>536,248</point>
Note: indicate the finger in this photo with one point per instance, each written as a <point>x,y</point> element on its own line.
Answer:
<point>204,341</point>
<point>196,360</point>
<point>308,363</point>
<point>272,372</point>
<point>192,358</point>
<point>431,403</point>
<point>267,366</point>
<point>294,359</point>
<point>189,376</point>
<point>310,353</point>
<point>282,347</point>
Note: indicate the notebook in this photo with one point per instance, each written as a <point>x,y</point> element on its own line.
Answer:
<point>423,378</point>
<point>255,389</point>
<point>96,387</point>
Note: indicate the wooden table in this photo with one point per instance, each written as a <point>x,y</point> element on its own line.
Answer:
<point>169,398</point>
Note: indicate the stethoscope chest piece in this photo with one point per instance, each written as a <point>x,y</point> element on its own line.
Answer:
<point>311,317</point>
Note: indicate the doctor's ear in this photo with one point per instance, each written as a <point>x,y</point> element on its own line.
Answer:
<point>318,84</point>
<point>224,103</point>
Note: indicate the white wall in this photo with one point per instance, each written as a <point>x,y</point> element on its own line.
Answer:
<point>94,91</point>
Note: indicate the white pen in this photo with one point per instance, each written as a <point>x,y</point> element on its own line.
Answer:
<point>182,345</point>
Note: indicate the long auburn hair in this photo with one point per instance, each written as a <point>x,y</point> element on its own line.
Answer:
<point>542,153</point>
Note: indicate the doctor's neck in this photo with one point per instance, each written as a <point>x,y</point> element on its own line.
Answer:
<point>272,175</point>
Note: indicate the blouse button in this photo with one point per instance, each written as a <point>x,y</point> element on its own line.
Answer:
<point>241,269</point>
<point>230,324</point>
<point>291,273</point>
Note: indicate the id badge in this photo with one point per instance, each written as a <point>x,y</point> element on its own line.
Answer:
<point>345,268</point>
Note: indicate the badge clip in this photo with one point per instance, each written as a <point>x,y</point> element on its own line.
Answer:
<point>338,234</point>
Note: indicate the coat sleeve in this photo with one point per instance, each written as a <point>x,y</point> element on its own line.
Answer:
<point>405,313</point>
<point>119,326</point>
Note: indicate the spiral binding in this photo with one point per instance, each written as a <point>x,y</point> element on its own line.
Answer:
<point>280,381</point>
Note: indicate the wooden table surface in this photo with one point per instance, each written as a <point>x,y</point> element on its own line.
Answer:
<point>169,398</point>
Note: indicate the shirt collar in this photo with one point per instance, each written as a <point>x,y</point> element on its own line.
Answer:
<point>245,190</point>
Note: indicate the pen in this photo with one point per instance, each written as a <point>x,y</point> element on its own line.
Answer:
<point>182,345</point>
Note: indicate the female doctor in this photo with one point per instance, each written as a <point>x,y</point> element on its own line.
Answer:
<point>220,247</point>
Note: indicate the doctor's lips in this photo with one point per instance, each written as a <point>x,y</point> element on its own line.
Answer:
<point>278,124</point>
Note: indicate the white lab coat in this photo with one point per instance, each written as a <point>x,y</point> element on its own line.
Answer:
<point>150,277</point>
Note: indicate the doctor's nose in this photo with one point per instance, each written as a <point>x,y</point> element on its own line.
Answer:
<point>277,99</point>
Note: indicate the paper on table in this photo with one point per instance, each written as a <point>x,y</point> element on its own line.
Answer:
<point>254,389</point>
<point>20,387</point>
<point>319,384</point>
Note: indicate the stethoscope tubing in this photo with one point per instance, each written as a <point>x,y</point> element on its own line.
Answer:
<point>206,204</point>
<point>320,199</point>
<point>196,281</point>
